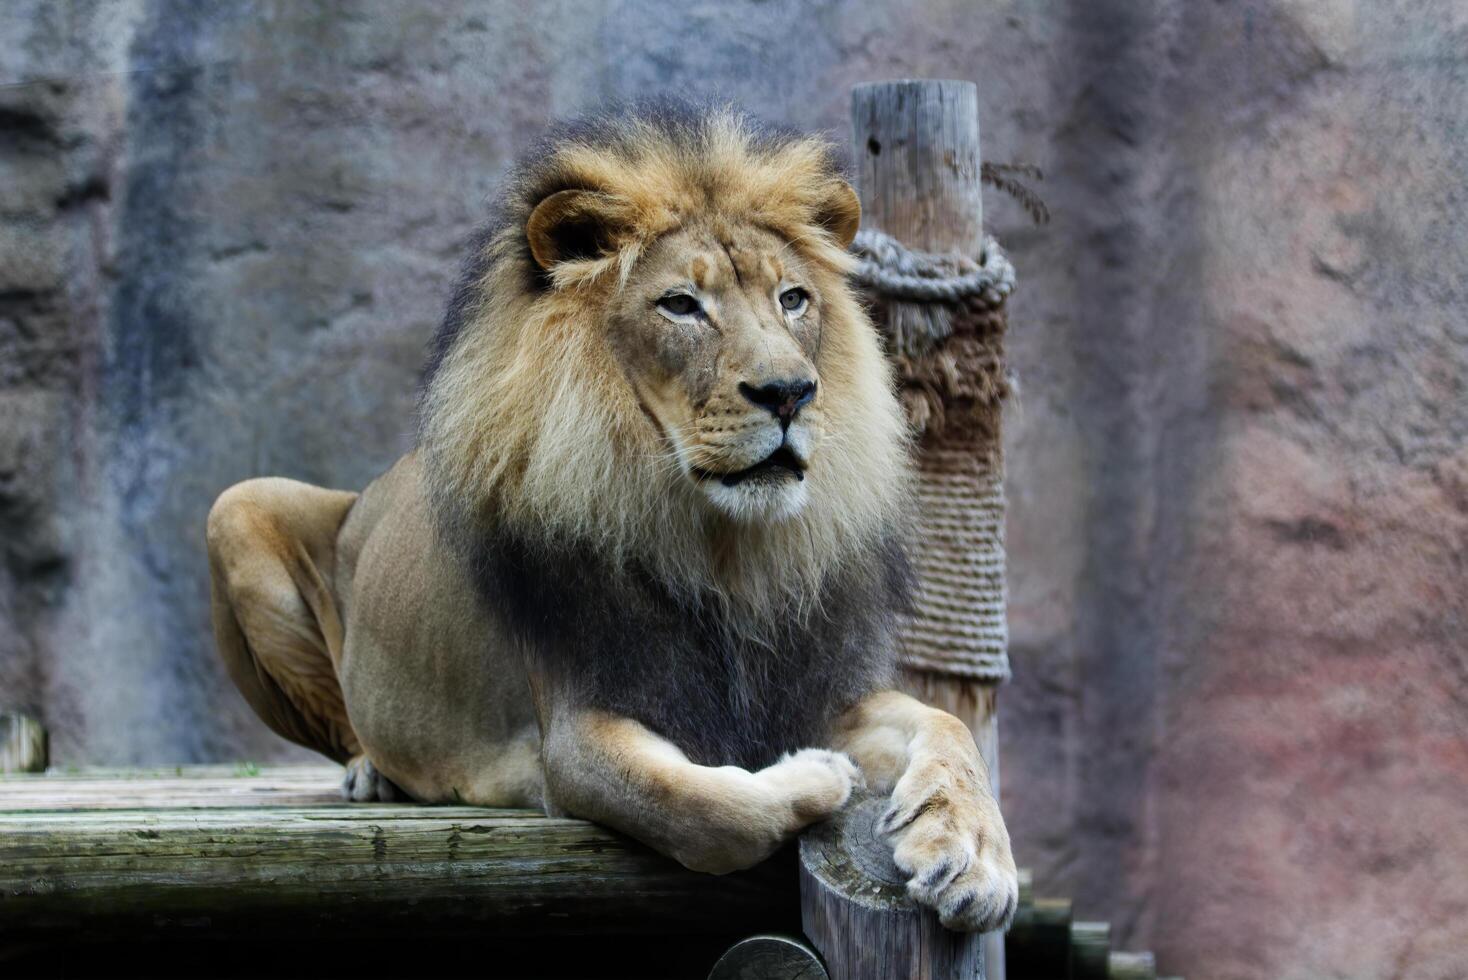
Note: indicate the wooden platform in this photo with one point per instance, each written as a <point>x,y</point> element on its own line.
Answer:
<point>201,848</point>
<point>233,870</point>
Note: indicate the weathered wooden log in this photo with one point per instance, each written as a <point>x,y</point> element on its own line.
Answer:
<point>769,958</point>
<point>228,850</point>
<point>175,788</point>
<point>1131,966</point>
<point>916,144</point>
<point>918,174</point>
<point>1038,944</point>
<point>23,745</point>
<point>251,862</point>
<point>1090,950</point>
<point>855,910</point>
<point>918,162</point>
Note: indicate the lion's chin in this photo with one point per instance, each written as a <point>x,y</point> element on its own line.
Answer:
<point>767,499</point>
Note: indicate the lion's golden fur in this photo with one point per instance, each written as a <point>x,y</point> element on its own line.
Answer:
<point>622,643</point>
<point>527,420</point>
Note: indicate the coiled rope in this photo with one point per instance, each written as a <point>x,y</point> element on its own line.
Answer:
<point>922,291</point>
<point>898,272</point>
<point>943,319</point>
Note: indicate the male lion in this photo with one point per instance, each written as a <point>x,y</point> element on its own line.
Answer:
<point>645,563</point>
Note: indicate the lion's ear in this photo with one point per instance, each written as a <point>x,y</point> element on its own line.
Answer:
<point>839,212</point>
<point>572,225</point>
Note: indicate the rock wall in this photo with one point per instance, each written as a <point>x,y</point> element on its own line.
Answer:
<point>1239,528</point>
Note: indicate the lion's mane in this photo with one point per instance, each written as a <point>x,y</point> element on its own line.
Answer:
<point>736,640</point>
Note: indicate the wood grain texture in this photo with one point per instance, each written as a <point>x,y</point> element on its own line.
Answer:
<point>183,787</point>
<point>198,850</point>
<point>23,746</point>
<point>769,958</point>
<point>918,167</point>
<point>855,909</point>
<point>916,144</point>
<point>916,147</point>
<point>117,855</point>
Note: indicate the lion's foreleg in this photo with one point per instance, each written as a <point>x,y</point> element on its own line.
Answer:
<point>719,819</point>
<point>947,833</point>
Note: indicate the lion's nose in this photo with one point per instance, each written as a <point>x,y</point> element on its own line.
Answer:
<point>782,398</point>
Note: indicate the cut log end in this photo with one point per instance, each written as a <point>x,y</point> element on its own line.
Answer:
<point>769,958</point>
<point>854,907</point>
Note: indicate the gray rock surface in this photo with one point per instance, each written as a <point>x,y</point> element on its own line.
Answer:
<point>1239,529</point>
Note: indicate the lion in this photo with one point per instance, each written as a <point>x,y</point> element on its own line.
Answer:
<point>646,562</point>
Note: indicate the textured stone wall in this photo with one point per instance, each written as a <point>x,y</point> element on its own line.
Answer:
<point>1239,528</point>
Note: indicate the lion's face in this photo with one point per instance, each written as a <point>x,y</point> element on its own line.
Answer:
<point>718,331</point>
<point>658,357</point>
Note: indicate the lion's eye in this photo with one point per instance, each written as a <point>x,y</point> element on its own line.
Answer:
<point>679,304</point>
<point>794,300</point>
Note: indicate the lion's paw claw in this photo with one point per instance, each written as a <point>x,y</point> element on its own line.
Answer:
<point>954,849</point>
<point>363,783</point>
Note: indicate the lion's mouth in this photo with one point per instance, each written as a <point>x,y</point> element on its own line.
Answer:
<point>780,463</point>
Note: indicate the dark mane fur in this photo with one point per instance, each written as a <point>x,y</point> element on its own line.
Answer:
<point>724,689</point>
<point>625,643</point>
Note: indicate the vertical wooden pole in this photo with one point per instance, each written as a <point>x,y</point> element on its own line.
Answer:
<point>854,907</point>
<point>916,146</point>
<point>22,744</point>
<point>916,149</point>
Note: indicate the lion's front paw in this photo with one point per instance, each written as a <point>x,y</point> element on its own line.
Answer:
<point>815,783</point>
<point>363,783</point>
<point>750,814</point>
<point>950,840</point>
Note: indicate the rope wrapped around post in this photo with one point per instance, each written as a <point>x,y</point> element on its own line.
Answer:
<point>897,272</point>
<point>943,319</point>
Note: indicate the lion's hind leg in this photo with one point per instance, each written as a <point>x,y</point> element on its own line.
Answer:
<point>272,558</point>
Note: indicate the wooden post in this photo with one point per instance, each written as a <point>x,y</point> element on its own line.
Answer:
<point>1039,941</point>
<point>916,149</point>
<point>22,744</point>
<point>769,958</point>
<point>1131,966</point>
<point>916,145</point>
<point>1090,950</point>
<point>855,910</point>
